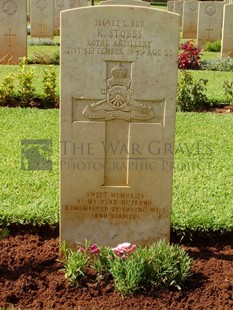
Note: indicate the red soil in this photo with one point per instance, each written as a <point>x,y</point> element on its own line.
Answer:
<point>31,278</point>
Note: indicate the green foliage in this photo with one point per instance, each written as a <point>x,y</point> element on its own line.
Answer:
<point>101,262</point>
<point>49,85</point>
<point>43,58</point>
<point>25,83</point>
<point>217,64</point>
<point>18,89</point>
<point>228,89</point>
<point>159,4</point>
<point>128,273</point>
<point>4,232</point>
<point>213,46</point>
<point>42,41</point>
<point>167,265</point>
<point>157,265</point>
<point>191,94</point>
<point>75,263</point>
<point>7,88</point>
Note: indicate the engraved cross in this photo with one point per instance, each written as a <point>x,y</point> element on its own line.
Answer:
<point>192,24</point>
<point>118,110</point>
<point>41,25</point>
<point>209,32</point>
<point>10,35</point>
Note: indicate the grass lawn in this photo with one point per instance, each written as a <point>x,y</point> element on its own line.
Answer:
<point>215,90</point>
<point>202,195</point>
<point>27,196</point>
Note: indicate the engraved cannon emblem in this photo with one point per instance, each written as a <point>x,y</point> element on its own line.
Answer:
<point>42,5</point>
<point>210,10</point>
<point>119,102</point>
<point>60,3</point>
<point>9,7</point>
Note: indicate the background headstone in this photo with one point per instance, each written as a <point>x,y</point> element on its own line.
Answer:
<point>189,25</point>
<point>178,8</point>
<point>77,3</point>
<point>125,2</point>
<point>42,18</point>
<point>170,6</point>
<point>59,5</point>
<point>118,104</point>
<point>227,31</point>
<point>209,21</point>
<point>13,34</point>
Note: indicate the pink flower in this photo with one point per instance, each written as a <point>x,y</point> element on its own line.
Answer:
<point>131,249</point>
<point>124,248</point>
<point>94,249</point>
<point>80,249</point>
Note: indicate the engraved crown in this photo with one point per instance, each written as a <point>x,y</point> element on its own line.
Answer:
<point>118,71</point>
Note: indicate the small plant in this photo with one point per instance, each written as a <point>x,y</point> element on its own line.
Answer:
<point>7,88</point>
<point>228,90</point>
<point>217,64</point>
<point>128,273</point>
<point>42,41</point>
<point>131,267</point>
<point>49,86</point>
<point>213,46</point>
<point>75,263</point>
<point>25,81</point>
<point>167,265</point>
<point>191,95</point>
<point>44,59</point>
<point>190,57</point>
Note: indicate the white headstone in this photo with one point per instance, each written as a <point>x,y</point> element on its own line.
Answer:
<point>59,5</point>
<point>13,34</point>
<point>170,6</point>
<point>189,24</point>
<point>227,31</point>
<point>42,23</point>
<point>178,8</point>
<point>209,21</point>
<point>118,105</point>
<point>77,3</point>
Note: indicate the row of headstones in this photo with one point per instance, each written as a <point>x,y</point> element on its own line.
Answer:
<point>45,15</point>
<point>44,20</point>
<point>206,21</point>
